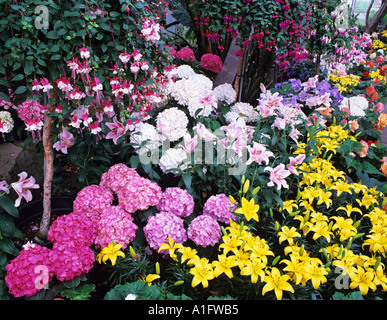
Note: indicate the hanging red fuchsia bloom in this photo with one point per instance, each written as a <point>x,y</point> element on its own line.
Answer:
<point>124,57</point>
<point>85,53</point>
<point>46,85</point>
<point>150,31</point>
<point>77,94</point>
<point>97,88</point>
<point>73,65</point>
<point>36,85</point>
<point>95,128</point>
<point>64,84</point>
<point>23,186</point>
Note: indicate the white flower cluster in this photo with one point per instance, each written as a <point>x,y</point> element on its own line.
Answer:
<point>185,71</point>
<point>242,112</point>
<point>185,89</point>
<point>357,105</point>
<point>225,93</point>
<point>172,123</point>
<point>143,132</point>
<point>173,158</point>
<point>6,122</point>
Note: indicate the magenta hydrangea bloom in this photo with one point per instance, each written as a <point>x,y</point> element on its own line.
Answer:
<point>177,201</point>
<point>74,227</point>
<point>133,191</point>
<point>186,53</point>
<point>204,231</point>
<point>164,225</point>
<point>211,62</point>
<point>91,200</point>
<point>220,208</point>
<point>116,225</point>
<point>69,261</point>
<point>23,271</point>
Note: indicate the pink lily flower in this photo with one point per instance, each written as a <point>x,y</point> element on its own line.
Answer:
<point>4,186</point>
<point>190,143</point>
<point>259,154</point>
<point>117,130</point>
<point>23,186</point>
<point>295,161</point>
<point>277,176</point>
<point>204,133</point>
<point>66,141</point>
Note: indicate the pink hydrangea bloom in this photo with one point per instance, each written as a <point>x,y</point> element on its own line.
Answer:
<point>69,260</point>
<point>220,208</point>
<point>133,191</point>
<point>186,53</point>
<point>164,225</point>
<point>74,227</point>
<point>91,200</point>
<point>204,231</point>
<point>23,271</point>
<point>211,62</point>
<point>176,201</point>
<point>115,224</point>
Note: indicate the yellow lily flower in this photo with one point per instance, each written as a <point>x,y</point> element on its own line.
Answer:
<point>277,282</point>
<point>249,209</point>
<point>111,252</point>
<point>171,246</point>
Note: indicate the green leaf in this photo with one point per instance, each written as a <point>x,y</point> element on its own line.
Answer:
<point>9,207</point>
<point>8,246</point>
<point>18,77</point>
<point>21,90</point>
<point>7,227</point>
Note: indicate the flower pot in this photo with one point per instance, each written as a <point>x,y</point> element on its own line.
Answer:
<point>30,216</point>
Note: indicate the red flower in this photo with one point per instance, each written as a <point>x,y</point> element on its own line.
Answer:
<point>211,62</point>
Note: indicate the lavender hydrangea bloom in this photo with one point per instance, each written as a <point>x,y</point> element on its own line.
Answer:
<point>220,208</point>
<point>204,231</point>
<point>176,201</point>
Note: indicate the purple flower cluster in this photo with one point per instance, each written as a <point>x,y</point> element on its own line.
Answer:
<point>220,208</point>
<point>164,225</point>
<point>176,201</point>
<point>301,91</point>
<point>204,231</point>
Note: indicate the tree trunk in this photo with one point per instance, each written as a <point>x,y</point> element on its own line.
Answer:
<point>48,154</point>
<point>371,26</point>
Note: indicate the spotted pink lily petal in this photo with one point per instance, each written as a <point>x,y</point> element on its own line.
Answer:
<point>23,186</point>
<point>117,130</point>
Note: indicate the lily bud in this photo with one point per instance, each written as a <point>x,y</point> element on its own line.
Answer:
<point>246,186</point>
<point>132,252</point>
<point>157,268</point>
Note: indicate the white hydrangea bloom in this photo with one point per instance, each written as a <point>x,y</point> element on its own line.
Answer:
<point>185,71</point>
<point>6,122</point>
<point>185,89</point>
<point>173,123</point>
<point>225,93</point>
<point>145,131</point>
<point>173,158</point>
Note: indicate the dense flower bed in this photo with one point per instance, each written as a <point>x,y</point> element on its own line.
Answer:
<point>283,199</point>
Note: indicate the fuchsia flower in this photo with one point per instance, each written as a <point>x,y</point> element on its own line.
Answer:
<point>117,130</point>
<point>259,154</point>
<point>23,186</point>
<point>46,85</point>
<point>150,30</point>
<point>277,176</point>
<point>36,86</point>
<point>64,84</point>
<point>77,94</point>
<point>124,57</point>
<point>66,140</point>
<point>85,53</point>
